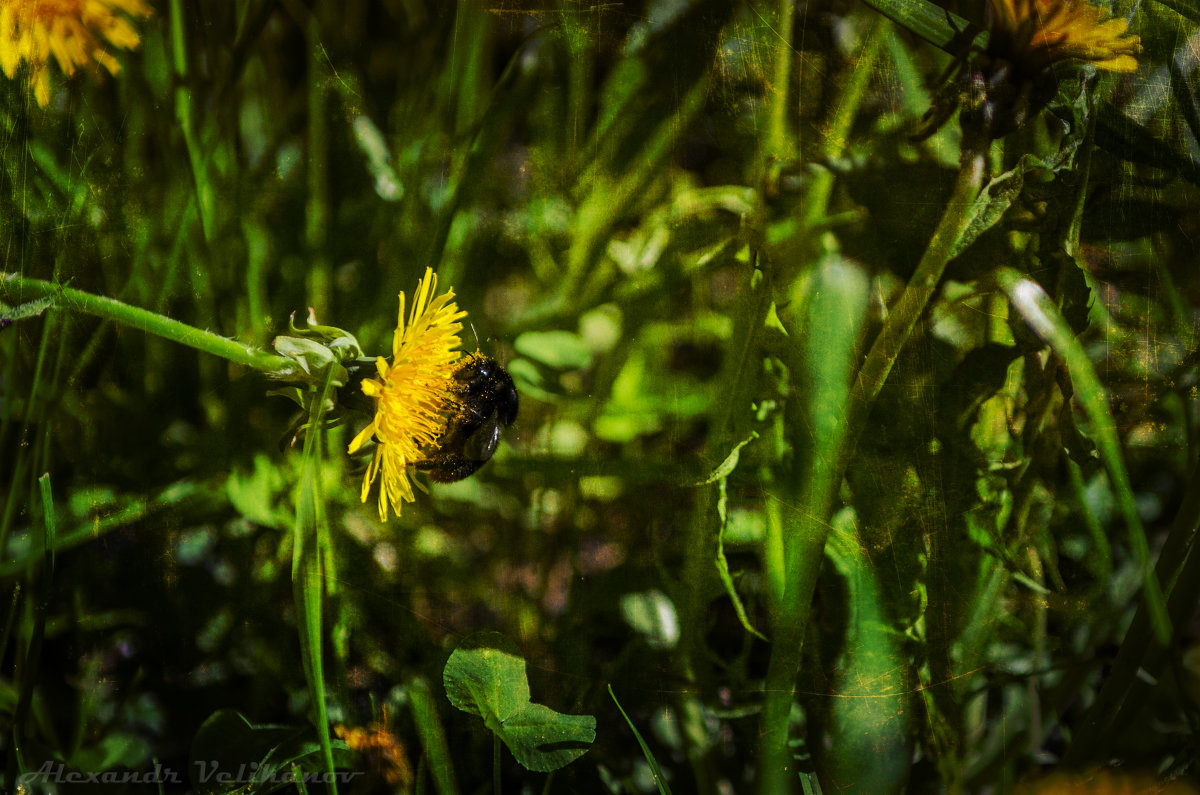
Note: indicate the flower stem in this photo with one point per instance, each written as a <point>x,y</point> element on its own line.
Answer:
<point>920,289</point>
<point>779,142</point>
<point>18,289</point>
<point>804,544</point>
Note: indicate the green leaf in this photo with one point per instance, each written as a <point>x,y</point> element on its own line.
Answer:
<point>719,476</point>
<point>726,467</point>
<point>312,356</point>
<point>485,676</point>
<point>936,25</point>
<point>119,749</point>
<point>257,496</point>
<point>993,201</point>
<point>559,350</point>
<point>999,194</point>
<point>21,311</point>
<point>1187,8</point>
<point>653,616</point>
<point>871,713</point>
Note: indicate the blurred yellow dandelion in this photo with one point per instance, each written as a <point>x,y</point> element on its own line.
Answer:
<point>383,751</point>
<point>77,33</point>
<point>1000,87</point>
<point>1037,33</point>
<point>412,393</point>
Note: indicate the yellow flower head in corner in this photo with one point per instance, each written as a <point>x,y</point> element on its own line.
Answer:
<point>1036,33</point>
<point>412,393</point>
<point>999,88</point>
<point>76,32</point>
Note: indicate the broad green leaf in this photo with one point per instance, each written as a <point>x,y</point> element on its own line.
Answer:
<point>560,350</point>
<point>936,25</point>
<point>830,317</point>
<point>119,749</point>
<point>485,676</point>
<point>870,713</point>
<point>256,495</point>
<point>836,308</point>
<point>653,616</point>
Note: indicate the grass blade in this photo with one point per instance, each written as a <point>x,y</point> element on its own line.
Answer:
<point>939,27</point>
<point>1035,306</point>
<point>432,736</point>
<point>655,770</point>
<point>308,580</point>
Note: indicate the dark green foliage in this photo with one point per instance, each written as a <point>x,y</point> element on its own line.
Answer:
<point>485,676</point>
<point>688,230</point>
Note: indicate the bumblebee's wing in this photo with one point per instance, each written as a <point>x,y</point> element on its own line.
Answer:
<point>484,440</point>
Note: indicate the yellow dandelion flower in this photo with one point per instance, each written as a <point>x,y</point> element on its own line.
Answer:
<point>999,88</point>
<point>76,32</point>
<point>1036,33</point>
<point>412,393</point>
<point>385,753</point>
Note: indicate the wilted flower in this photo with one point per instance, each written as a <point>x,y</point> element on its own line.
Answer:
<point>412,394</point>
<point>76,32</point>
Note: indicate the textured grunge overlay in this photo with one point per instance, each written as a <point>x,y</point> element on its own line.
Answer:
<point>694,396</point>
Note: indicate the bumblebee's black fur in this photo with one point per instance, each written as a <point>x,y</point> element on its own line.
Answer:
<point>485,403</point>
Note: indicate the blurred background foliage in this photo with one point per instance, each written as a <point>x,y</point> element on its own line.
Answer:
<point>634,201</point>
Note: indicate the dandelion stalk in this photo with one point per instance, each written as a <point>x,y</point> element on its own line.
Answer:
<point>816,493</point>
<point>18,289</point>
<point>825,358</point>
<point>922,286</point>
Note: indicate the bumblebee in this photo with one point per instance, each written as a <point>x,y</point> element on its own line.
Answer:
<point>484,404</point>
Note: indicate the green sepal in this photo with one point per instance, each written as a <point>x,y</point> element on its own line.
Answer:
<point>323,355</point>
<point>317,349</point>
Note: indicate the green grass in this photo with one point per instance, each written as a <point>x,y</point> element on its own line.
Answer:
<point>850,461</point>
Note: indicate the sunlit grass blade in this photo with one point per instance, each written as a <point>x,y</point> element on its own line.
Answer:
<point>1035,306</point>
<point>936,25</point>
<point>870,713</point>
<point>197,157</point>
<point>655,770</point>
<point>28,667</point>
<point>432,736</point>
<point>1187,8</point>
<point>827,334</point>
<point>309,569</point>
<point>51,539</point>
